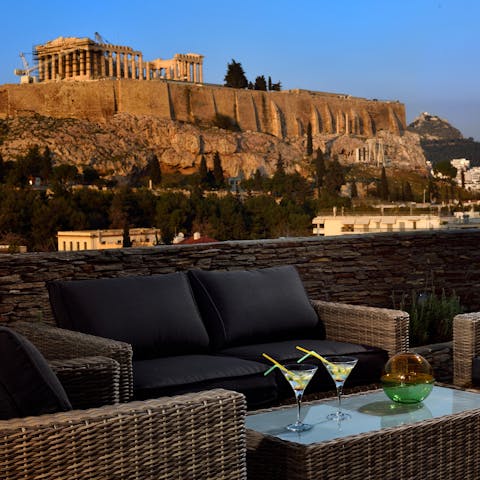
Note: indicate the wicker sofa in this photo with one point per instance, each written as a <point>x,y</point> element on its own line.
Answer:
<point>466,349</point>
<point>198,436</point>
<point>210,329</point>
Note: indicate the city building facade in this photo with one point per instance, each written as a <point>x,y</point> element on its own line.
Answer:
<point>347,225</point>
<point>104,239</point>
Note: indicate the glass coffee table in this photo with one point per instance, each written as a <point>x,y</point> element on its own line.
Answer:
<point>383,440</point>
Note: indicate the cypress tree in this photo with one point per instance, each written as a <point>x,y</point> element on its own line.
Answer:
<point>235,76</point>
<point>154,171</point>
<point>278,179</point>
<point>334,178</point>
<point>203,172</point>
<point>383,193</point>
<point>408,192</point>
<point>319,168</point>
<point>126,242</point>
<point>218,171</point>
<point>353,189</point>
<point>2,169</point>
<point>260,83</point>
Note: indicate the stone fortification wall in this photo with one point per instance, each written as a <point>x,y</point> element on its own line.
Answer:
<point>283,114</point>
<point>366,269</point>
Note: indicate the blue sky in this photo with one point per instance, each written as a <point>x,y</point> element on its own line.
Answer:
<point>424,53</point>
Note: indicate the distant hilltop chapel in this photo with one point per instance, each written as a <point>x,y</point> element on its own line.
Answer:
<point>85,59</point>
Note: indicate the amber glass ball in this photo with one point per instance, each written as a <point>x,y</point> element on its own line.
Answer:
<point>407,378</point>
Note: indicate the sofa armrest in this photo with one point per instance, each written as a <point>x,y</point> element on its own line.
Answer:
<point>89,381</point>
<point>466,346</point>
<point>195,436</point>
<point>376,327</point>
<point>57,344</point>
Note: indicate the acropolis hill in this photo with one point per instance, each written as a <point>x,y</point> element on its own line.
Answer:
<point>101,83</point>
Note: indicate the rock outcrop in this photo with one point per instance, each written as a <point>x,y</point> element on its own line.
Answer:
<point>431,128</point>
<point>443,142</point>
<point>125,142</point>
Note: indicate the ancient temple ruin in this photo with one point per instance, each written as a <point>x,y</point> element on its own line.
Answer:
<point>85,59</point>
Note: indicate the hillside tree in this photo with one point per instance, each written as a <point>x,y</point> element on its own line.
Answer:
<point>154,172</point>
<point>260,83</point>
<point>319,169</point>
<point>218,171</point>
<point>383,189</point>
<point>235,76</point>
<point>334,177</point>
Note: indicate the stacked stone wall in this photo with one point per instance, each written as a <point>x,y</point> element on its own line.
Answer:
<point>283,114</point>
<point>369,269</point>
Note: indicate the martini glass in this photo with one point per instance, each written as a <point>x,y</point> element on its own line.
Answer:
<point>299,375</point>
<point>339,368</point>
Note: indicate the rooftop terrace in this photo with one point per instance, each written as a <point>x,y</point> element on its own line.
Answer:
<point>368,269</point>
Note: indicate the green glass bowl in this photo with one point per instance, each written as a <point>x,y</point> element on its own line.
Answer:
<point>407,378</point>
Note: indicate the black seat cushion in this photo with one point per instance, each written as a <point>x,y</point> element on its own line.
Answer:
<point>193,373</point>
<point>156,314</point>
<point>28,386</point>
<point>241,307</point>
<point>368,369</point>
<point>476,371</point>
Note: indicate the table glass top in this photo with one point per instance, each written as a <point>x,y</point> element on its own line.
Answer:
<point>369,411</point>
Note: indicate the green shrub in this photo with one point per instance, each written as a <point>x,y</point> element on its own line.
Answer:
<point>431,316</point>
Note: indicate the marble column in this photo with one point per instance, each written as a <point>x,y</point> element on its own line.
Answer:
<point>148,71</point>
<point>49,68</point>
<point>119,67</point>
<point>68,66</point>
<point>88,62</point>
<point>133,66</point>
<point>140,67</point>
<point>109,63</point>
<point>103,64</point>
<point>75,64</point>
<point>61,60</point>
<point>82,55</point>
<point>40,69</point>
<point>125,65</point>
<point>200,71</point>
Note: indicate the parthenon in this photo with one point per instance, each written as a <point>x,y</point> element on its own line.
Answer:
<point>84,59</point>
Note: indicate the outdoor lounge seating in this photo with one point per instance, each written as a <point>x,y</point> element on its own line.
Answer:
<point>196,436</point>
<point>198,330</point>
<point>466,350</point>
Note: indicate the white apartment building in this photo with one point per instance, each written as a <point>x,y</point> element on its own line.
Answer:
<point>346,225</point>
<point>103,239</point>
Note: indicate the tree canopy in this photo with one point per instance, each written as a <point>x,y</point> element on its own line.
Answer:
<point>235,76</point>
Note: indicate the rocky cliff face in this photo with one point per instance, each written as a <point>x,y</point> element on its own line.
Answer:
<point>125,142</point>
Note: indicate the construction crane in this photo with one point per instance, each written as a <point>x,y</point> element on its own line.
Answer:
<point>100,39</point>
<point>26,71</point>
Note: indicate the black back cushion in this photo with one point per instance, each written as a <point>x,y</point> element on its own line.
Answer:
<point>254,306</point>
<point>156,314</point>
<point>28,386</point>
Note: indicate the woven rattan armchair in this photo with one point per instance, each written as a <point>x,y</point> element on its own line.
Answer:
<point>187,437</point>
<point>94,371</point>
<point>466,346</point>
